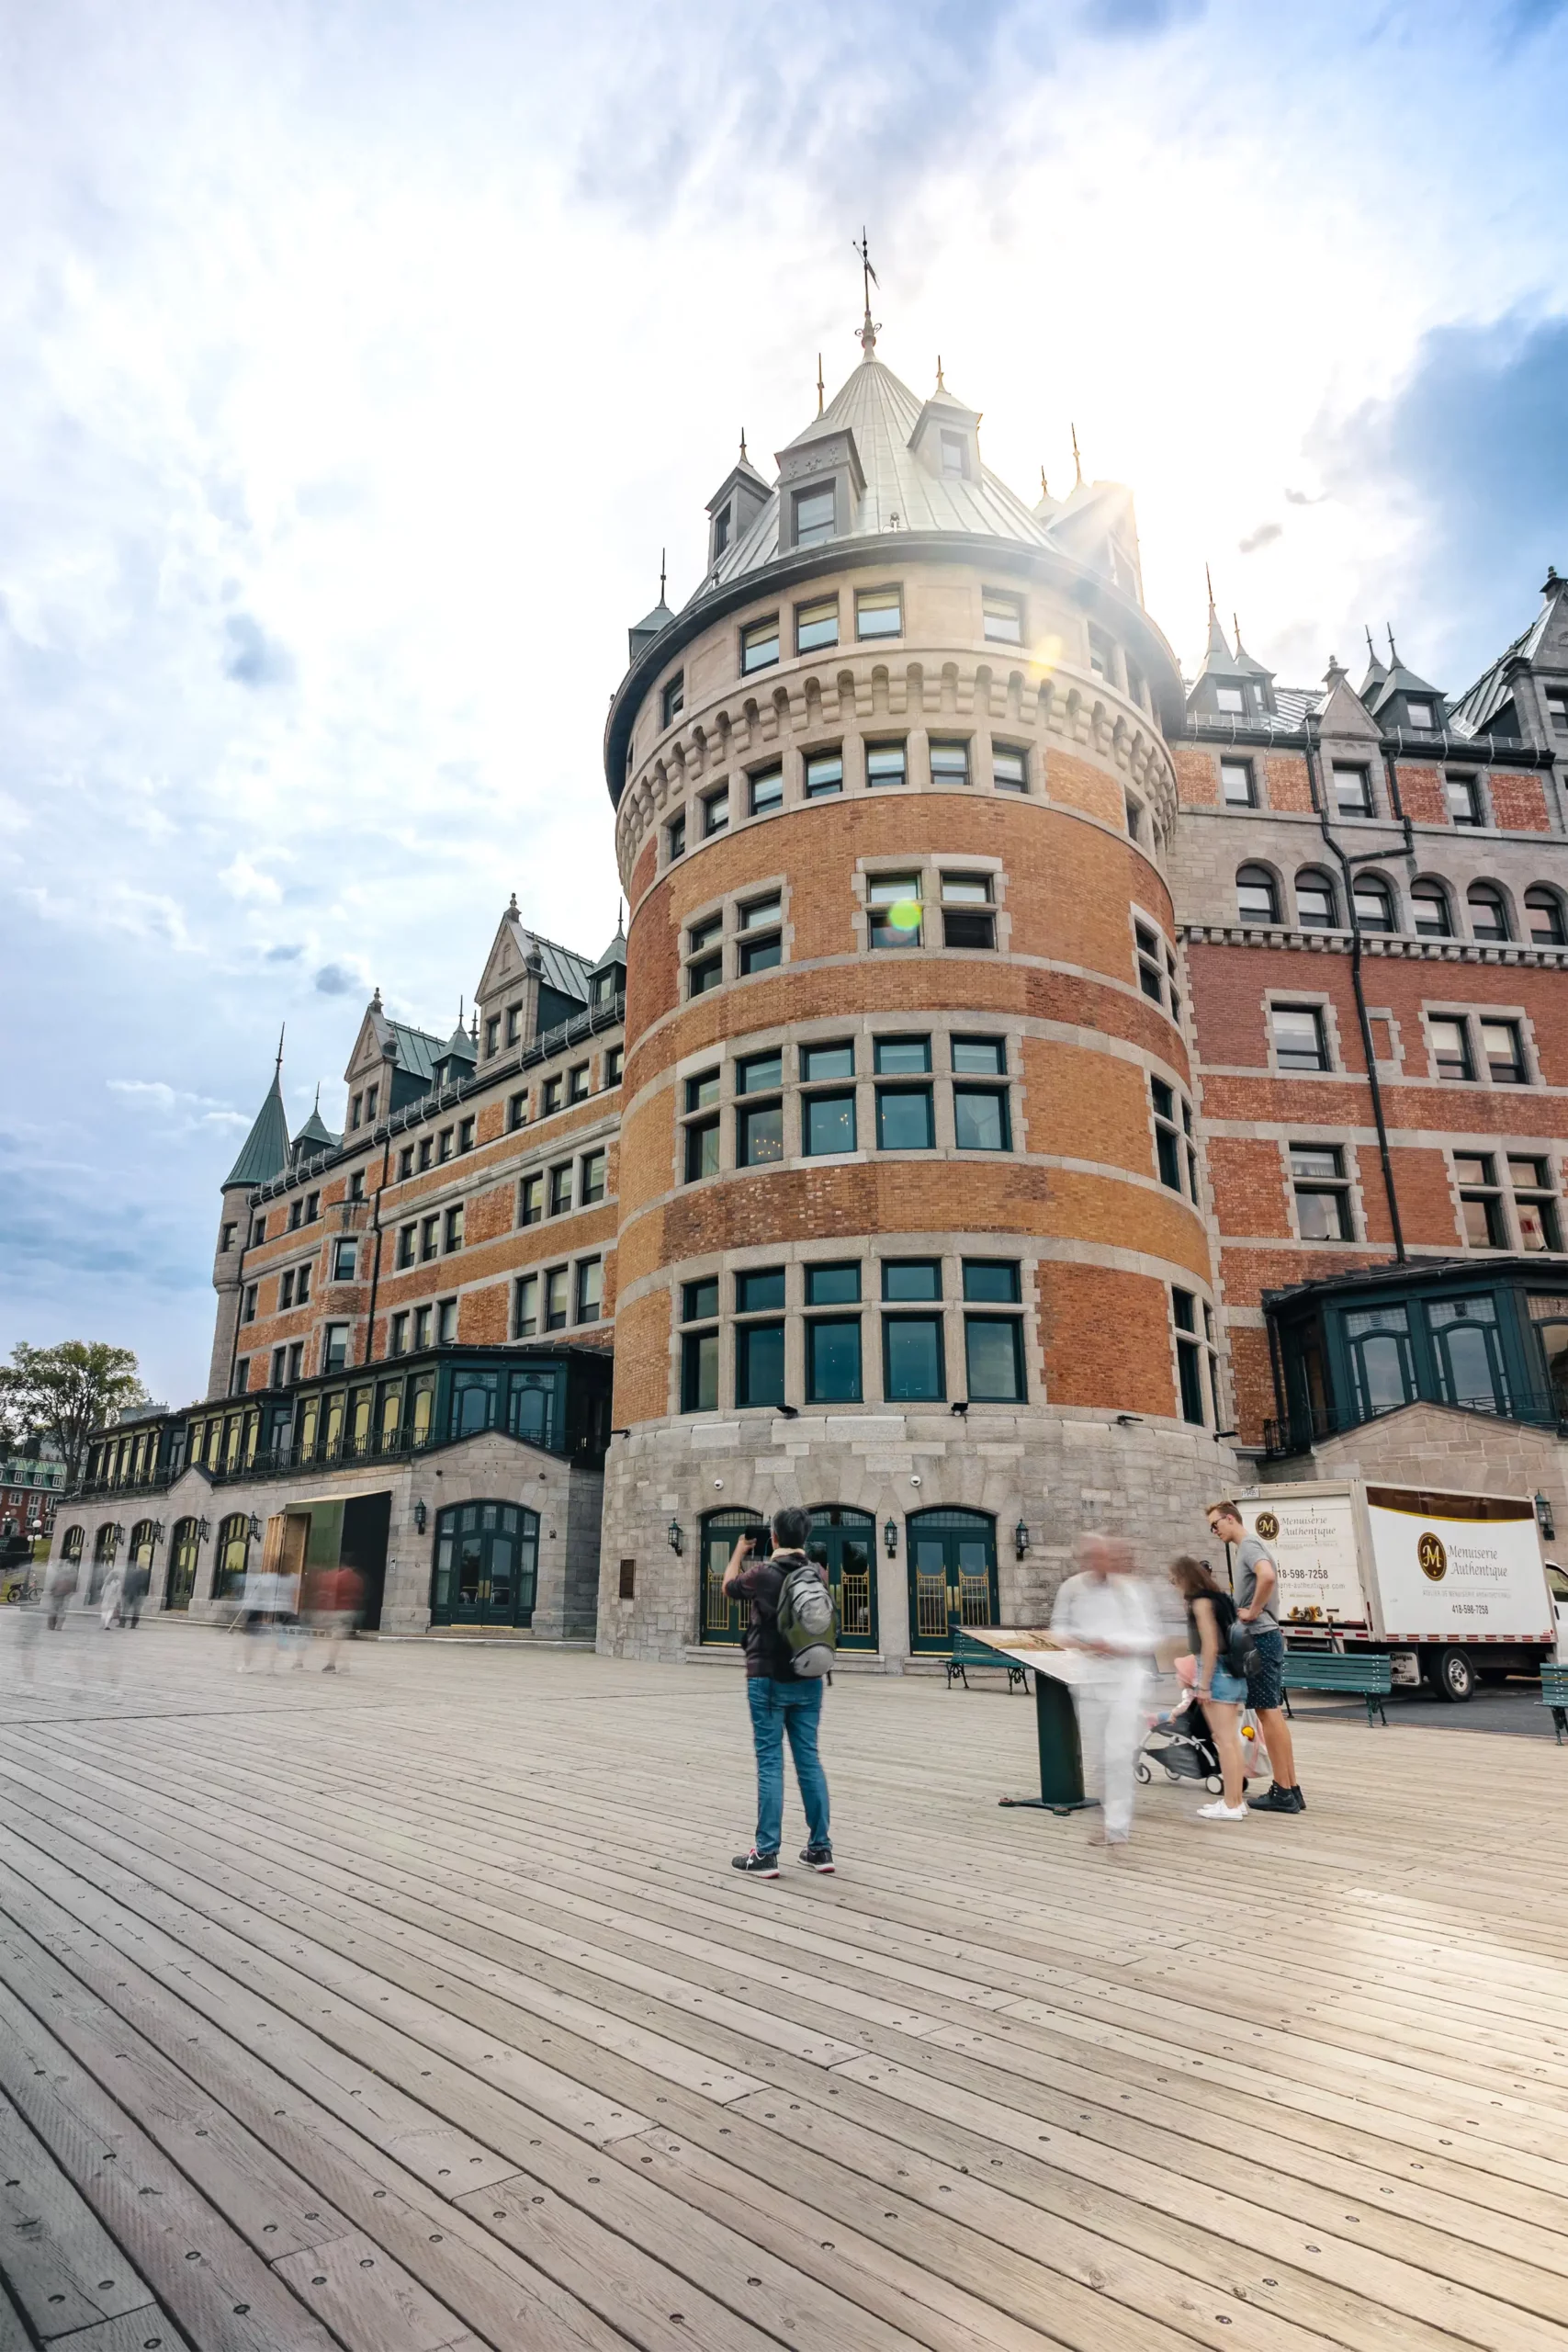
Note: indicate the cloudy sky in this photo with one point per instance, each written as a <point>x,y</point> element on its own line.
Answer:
<point>360,356</point>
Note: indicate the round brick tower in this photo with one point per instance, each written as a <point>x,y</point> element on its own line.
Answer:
<point>911,1217</point>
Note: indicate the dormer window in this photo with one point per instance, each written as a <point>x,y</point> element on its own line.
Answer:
<point>721,531</point>
<point>1231,700</point>
<point>815,515</point>
<point>1420,715</point>
<point>673,701</point>
<point>955,455</point>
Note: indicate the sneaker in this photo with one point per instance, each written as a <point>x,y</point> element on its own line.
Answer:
<point>756,1865</point>
<point>1221,1811</point>
<point>1277,1800</point>
<point>818,1858</point>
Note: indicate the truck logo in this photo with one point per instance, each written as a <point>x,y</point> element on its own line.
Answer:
<point>1432,1557</point>
<point>1268,1527</point>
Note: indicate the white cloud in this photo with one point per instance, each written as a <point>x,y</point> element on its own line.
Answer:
<point>357,370</point>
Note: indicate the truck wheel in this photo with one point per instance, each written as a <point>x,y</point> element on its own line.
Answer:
<point>1455,1676</point>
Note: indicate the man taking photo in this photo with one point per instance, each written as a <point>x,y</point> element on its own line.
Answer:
<point>780,1701</point>
<point>1255,1581</point>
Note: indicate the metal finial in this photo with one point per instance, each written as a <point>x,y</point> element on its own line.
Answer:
<point>743,458</point>
<point>1393,649</point>
<point>940,385</point>
<point>376,1000</point>
<point>278,1066</point>
<point>663,554</point>
<point>1235,628</point>
<point>317,1094</point>
<point>1076,460</point>
<point>1209,583</point>
<point>620,914</point>
<point>821,388</point>
<point>511,910</point>
<point>1045,488</point>
<point>868,279</point>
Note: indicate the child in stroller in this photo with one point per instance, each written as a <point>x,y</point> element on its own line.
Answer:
<point>1180,1741</point>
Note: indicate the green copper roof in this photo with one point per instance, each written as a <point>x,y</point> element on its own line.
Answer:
<point>265,1152</point>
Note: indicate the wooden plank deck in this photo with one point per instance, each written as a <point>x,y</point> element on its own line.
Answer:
<point>419,2011</point>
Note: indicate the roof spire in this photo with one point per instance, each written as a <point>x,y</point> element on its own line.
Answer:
<point>1235,629</point>
<point>1076,460</point>
<point>868,279</point>
<point>940,385</point>
<point>744,459</point>
<point>278,1066</point>
<point>1044,486</point>
<point>1371,648</point>
<point>1393,649</point>
<point>822,387</point>
<point>1209,583</point>
<point>664,559</point>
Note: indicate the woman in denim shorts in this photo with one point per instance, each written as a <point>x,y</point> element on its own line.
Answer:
<point>1222,1692</point>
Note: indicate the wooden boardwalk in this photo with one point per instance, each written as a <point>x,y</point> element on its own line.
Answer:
<point>421,2009</point>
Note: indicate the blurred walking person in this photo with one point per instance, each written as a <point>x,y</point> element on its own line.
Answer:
<point>133,1592</point>
<point>337,1605</point>
<point>1221,1690</point>
<point>59,1590</point>
<point>114,1585</point>
<point>259,1603</point>
<point>1104,1611</point>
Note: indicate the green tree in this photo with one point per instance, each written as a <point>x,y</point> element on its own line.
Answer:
<point>66,1392</point>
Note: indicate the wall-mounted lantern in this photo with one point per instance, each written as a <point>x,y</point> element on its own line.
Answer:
<point>419,1515</point>
<point>1020,1538</point>
<point>674,1536</point>
<point>1544,1520</point>
<point>890,1539</point>
<point>255,1529</point>
<point>157,1531</point>
<point>203,1530</point>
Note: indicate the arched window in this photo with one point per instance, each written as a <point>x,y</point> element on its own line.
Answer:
<point>143,1541</point>
<point>1488,912</point>
<point>1429,907</point>
<point>1544,909</point>
<point>1256,895</point>
<point>107,1544</point>
<point>233,1552</point>
<point>182,1563</point>
<point>1374,903</point>
<point>72,1548</point>
<point>1318,901</point>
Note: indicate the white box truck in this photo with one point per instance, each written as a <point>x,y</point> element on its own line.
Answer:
<point>1451,1587</point>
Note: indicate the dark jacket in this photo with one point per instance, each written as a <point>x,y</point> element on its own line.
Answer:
<point>760,1582</point>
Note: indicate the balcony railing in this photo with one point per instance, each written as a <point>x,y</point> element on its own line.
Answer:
<point>1300,1431</point>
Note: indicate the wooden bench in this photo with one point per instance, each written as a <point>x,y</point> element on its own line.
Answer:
<point>966,1652</point>
<point>1367,1677</point>
<point>1554,1694</point>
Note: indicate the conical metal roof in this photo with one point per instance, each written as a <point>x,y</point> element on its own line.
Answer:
<point>901,494</point>
<point>265,1152</point>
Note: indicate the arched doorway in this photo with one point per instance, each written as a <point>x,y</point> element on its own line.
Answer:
<point>487,1565</point>
<point>952,1574</point>
<point>182,1563</point>
<point>71,1549</point>
<point>105,1547</point>
<point>233,1556</point>
<point>719,1620</point>
<point>845,1542</point>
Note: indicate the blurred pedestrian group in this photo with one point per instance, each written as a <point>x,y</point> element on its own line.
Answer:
<point>1230,1677</point>
<point>280,1611</point>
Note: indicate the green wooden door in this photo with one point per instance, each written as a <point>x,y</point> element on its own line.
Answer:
<point>487,1558</point>
<point>719,1620</point>
<point>844,1542</point>
<point>952,1573</point>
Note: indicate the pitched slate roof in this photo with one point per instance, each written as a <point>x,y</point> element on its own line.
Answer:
<point>1476,708</point>
<point>265,1152</point>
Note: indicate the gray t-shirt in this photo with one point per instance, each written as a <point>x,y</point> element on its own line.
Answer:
<point>1249,1551</point>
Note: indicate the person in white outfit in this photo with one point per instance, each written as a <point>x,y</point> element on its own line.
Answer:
<point>1105,1612</point>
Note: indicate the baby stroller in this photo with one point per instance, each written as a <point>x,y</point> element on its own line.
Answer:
<point>1182,1743</point>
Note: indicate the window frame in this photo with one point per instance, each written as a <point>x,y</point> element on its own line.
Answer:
<point>887,598</point>
<point>1298,1069</point>
<point>1366,796</point>
<point>1004,604</point>
<point>821,605</point>
<point>754,640</point>
<point>1247,796</point>
<point>1325,1184</point>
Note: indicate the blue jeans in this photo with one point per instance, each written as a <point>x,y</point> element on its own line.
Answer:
<point>794,1708</point>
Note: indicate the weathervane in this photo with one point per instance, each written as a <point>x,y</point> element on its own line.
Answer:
<point>868,279</point>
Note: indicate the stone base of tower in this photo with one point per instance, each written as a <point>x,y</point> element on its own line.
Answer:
<point>954,1493</point>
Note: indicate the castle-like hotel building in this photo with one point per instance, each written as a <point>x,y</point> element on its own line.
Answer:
<point>1030,1093</point>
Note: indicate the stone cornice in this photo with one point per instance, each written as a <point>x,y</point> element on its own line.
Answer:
<point>863,689</point>
<point>1338,942</point>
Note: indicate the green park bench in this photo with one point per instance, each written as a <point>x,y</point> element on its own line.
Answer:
<point>966,1652</point>
<point>1365,1678</point>
<point>1554,1694</point>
